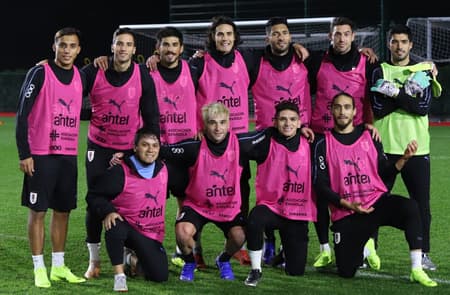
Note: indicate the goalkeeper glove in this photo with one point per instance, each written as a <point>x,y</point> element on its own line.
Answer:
<point>385,87</point>
<point>416,83</point>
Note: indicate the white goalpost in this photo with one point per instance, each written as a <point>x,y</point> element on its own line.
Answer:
<point>431,37</point>
<point>310,32</point>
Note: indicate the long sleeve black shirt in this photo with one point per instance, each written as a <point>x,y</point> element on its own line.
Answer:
<point>29,91</point>
<point>109,185</point>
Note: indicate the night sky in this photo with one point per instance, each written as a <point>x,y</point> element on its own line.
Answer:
<point>28,27</point>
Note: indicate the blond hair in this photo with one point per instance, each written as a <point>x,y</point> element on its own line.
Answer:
<point>212,109</point>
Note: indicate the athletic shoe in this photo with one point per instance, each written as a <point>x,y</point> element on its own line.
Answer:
<point>226,272</point>
<point>93,270</point>
<point>373,259</point>
<point>130,269</point>
<point>187,272</point>
<point>418,275</point>
<point>253,278</point>
<point>41,278</point>
<point>177,260</point>
<point>269,252</point>
<point>427,263</point>
<point>278,260</point>
<point>323,259</point>
<point>242,257</point>
<point>120,284</point>
<point>201,265</point>
<point>58,273</point>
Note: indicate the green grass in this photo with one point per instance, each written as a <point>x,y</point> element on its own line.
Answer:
<point>17,267</point>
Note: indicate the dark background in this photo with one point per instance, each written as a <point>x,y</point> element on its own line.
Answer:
<point>28,27</point>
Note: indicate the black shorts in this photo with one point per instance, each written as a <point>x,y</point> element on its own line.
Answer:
<point>187,214</point>
<point>53,184</point>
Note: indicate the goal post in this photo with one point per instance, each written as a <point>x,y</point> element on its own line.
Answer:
<point>431,37</point>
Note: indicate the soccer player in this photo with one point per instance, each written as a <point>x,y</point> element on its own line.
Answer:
<point>353,174</point>
<point>123,99</point>
<point>342,68</point>
<point>402,91</point>
<point>175,90</point>
<point>283,191</point>
<point>130,198</point>
<point>280,76</point>
<point>47,129</point>
<point>213,193</point>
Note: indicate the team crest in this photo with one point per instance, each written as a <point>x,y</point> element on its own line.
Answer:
<point>183,81</point>
<point>33,198</point>
<point>365,145</point>
<point>90,155</point>
<point>337,238</point>
<point>235,67</point>
<point>231,156</point>
<point>131,92</point>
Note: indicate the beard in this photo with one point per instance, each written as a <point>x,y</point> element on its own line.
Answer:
<point>342,125</point>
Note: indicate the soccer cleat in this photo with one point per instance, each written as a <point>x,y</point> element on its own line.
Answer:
<point>59,273</point>
<point>201,265</point>
<point>279,260</point>
<point>323,259</point>
<point>120,284</point>
<point>41,278</point>
<point>373,259</point>
<point>253,278</point>
<point>242,257</point>
<point>93,270</point>
<point>427,263</point>
<point>269,251</point>
<point>418,275</point>
<point>226,272</point>
<point>187,272</point>
<point>177,260</point>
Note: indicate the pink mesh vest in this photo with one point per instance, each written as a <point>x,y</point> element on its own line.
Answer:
<point>143,201</point>
<point>353,172</point>
<point>177,106</point>
<point>214,186</point>
<point>283,182</point>
<point>115,111</point>
<point>54,121</point>
<point>273,86</point>
<point>228,86</point>
<point>330,82</point>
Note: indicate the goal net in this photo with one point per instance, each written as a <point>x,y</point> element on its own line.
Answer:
<point>431,37</point>
<point>310,32</point>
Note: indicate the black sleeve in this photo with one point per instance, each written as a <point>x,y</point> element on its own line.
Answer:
<point>321,178</point>
<point>182,154</point>
<point>419,105</point>
<point>106,187</point>
<point>255,145</point>
<point>149,104</point>
<point>386,168</point>
<point>29,91</point>
<point>252,58</point>
<point>312,63</point>
<point>90,72</point>
<point>196,66</point>
<point>381,104</point>
<point>86,107</point>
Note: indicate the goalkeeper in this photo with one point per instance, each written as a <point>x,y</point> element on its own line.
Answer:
<point>401,100</point>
